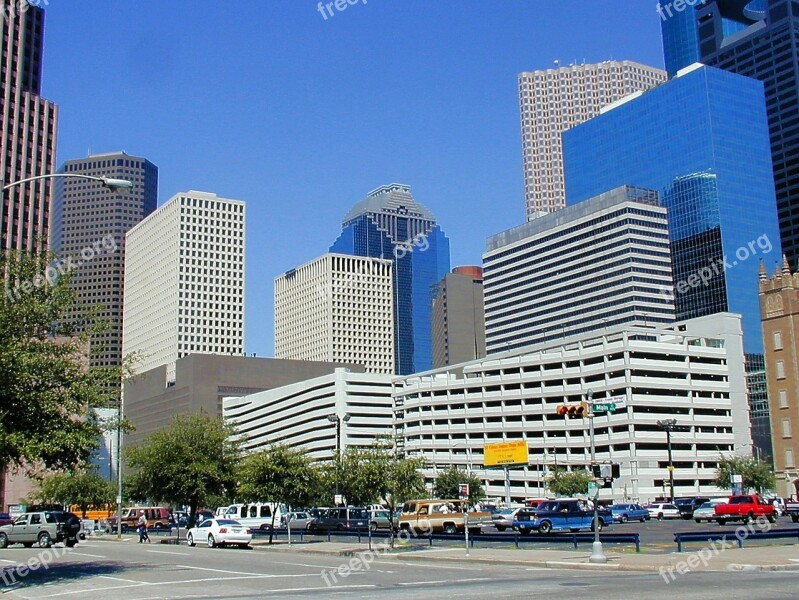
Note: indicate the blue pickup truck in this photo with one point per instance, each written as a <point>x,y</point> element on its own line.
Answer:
<point>560,515</point>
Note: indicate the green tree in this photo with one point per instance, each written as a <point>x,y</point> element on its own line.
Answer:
<point>279,474</point>
<point>569,483</point>
<point>447,482</point>
<point>186,464</point>
<point>86,488</point>
<point>756,475</point>
<point>47,388</point>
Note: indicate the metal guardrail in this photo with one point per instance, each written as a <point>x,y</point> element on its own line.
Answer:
<point>516,538</point>
<point>715,536</point>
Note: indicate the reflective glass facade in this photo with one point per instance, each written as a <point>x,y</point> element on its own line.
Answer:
<point>680,37</point>
<point>702,141</point>
<point>390,224</point>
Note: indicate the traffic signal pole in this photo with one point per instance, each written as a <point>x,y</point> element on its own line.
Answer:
<point>597,554</point>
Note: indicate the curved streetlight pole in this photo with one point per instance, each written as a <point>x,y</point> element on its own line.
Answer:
<point>115,185</point>
<point>335,418</point>
<point>667,425</point>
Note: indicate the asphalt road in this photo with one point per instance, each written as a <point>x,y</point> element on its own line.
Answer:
<point>112,570</point>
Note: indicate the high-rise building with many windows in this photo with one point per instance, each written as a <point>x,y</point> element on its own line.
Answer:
<point>459,331</point>
<point>89,225</point>
<point>759,39</point>
<point>390,224</point>
<point>597,264</point>
<point>553,100</point>
<point>184,281</point>
<point>337,308</point>
<point>700,140</point>
<point>27,129</point>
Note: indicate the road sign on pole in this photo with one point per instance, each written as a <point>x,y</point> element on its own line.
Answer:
<point>463,491</point>
<point>603,407</point>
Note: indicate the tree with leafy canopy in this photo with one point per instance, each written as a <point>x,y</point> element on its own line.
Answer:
<point>86,488</point>
<point>47,386</point>
<point>279,474</point>
<point>186,464</point>
<point>447,484</point>
<point>569,483</point>
<point>756,475</point>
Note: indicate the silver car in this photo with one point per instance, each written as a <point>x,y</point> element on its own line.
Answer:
<point>298,520</point>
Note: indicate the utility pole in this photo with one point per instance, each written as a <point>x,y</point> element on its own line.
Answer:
<point>597,554</point>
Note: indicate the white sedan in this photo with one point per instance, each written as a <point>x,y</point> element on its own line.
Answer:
<point>219,532</point>
<point>663,511</point>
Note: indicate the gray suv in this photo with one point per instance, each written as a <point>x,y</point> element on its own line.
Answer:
<point>341,519</point>
<point>44,528</point>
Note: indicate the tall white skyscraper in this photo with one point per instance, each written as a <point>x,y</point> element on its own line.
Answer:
<point>184,281</point>
<point>337,308</point>
<point>555,100</point>
<point>603,262</point>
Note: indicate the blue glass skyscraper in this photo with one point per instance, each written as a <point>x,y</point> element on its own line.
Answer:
<point>702,141</point>
<point>759,39</point>
<point>390,224</point>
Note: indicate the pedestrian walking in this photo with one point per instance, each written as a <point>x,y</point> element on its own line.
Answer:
<point>143,535</point>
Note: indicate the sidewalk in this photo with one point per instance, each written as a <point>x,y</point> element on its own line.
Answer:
<point>698,557</point>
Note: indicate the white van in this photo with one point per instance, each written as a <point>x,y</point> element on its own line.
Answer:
<point>257,515</point>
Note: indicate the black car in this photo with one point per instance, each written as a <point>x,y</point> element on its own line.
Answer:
<point>687,506</point>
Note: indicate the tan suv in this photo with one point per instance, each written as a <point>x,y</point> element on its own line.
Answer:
<point>157,516</point>
<point>441,516</point>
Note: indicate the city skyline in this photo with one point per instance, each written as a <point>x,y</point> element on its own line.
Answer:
<point>315,126</point>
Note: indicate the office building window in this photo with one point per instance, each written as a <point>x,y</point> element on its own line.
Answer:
<point>780,369</point>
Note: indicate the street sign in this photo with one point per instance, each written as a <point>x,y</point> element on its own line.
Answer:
<point>603,407</point>
<point>619,401</point>
<point>592,489</point>
<point>505,453</point>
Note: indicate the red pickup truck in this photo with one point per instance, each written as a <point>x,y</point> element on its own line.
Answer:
<point>744,508</point>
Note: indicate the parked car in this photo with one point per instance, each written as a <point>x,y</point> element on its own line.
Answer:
<point>629,512</point>
<point>380,519</point>
<point>157,516</point>
<point>341,518</point>
<point>298,520</point>
<point>560,515</point>
<point>687,506</point>
<point>43,528</point>
<point>707,512</point>
<point>441,516</point>
<point>5,519</point>
<point>219,532</point>
<point>503,519</point>
<point>745,507</point>
<point>663,510</point>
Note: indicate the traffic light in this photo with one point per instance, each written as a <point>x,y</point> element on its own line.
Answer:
<point>573,410</point>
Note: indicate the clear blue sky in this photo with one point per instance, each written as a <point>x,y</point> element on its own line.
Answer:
<point>268,102</point>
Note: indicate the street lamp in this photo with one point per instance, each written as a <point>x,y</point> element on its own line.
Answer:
<point>667,425</point>
<point>335,418</point>
<point>112,184</point>
<point>115,185</point>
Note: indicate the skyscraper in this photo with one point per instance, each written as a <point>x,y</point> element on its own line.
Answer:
<point>85,213</point>
<point>184,281</point>
<point>337,308</point>
<point>552,101</point>
<point>701,140</point>
<point>537,284</point>
<point>390,224</point>
<point>759,39</point>
<point>459,331</point>
<point>27,129</point>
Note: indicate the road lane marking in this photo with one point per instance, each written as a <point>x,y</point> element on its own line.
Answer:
<point>422,582</point>
<point>221,571</point>
<point>120,579</point>
<point>73,553</point>
<point>165,552</point>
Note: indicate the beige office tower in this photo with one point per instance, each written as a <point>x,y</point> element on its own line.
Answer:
<point>184,281</point>
<point>557,99</point>
<point>337,308</point>
<point>27,129</point>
